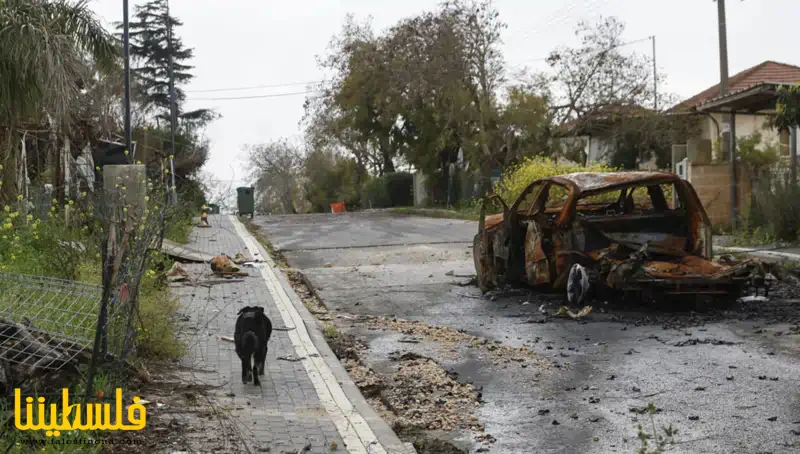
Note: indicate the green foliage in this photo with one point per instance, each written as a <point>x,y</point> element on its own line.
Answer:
<point>756,154</point>
<point>45,45</point>
<point>47,246</point>
<point>391,190</point>
<point>153,42</point>
<point>654,443</point>
<point>774,215</point>
<point>332,178</point>
<point>517,178</point>
<point>787,109</point>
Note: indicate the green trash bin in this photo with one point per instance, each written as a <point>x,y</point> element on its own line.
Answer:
<point>246,201</point>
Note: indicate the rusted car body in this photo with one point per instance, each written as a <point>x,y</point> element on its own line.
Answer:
<point>643,232</point>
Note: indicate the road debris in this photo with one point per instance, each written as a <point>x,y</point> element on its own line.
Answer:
<point>224,266</point>
<point>177,273</point>
<point>291,358</point>
<point>564,312</point>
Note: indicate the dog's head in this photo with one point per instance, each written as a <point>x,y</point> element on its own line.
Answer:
<point>256,309</point>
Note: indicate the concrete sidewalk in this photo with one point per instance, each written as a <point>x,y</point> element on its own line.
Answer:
<point>307,402</point>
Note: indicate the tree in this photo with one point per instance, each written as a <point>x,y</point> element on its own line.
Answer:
<point>276,168</point>
<point>356,105</point>
<point>478,27</point>
<point>596,75</point>
<point>525,121</point>
<point>596,88</point>
<point>787,108</point>
<point>48,49</point>
<point>153,42</point>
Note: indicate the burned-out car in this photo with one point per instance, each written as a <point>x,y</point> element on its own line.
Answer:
<point>642,232</point>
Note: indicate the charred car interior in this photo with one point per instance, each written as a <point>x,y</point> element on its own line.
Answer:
<point>640,232</point>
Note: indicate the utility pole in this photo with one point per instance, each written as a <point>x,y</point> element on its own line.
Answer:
<point>127,78</point>
<point>655,75</point>
<point>172,105</point>
<point>728,142</point>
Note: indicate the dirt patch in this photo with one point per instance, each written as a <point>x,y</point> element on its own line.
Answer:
<point>418,398</point>
<point>450,339</point>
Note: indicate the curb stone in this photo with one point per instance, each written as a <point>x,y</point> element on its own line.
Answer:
<point>382,431</point>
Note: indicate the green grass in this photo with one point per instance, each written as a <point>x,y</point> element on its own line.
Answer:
<point>465,214</point>
<point>329,330</point>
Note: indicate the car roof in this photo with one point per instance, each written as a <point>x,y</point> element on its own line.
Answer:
<point>599,181</point>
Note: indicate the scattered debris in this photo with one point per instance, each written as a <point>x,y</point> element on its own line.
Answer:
<point>695,341</point>
<point>226,339</point>
<point>564,312</point>
<point>224,265</point>
<point>291,358</point>
<point>177,273</point>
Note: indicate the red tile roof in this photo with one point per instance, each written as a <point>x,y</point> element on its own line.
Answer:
<point>769,71</point>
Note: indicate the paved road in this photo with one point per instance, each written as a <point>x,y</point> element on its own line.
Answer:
<point>727,381</point>
<point>300,405</point>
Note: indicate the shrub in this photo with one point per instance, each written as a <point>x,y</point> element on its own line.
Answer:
<point>332,178</point>
<point>516,179</point>
<point>775,212</point>
<point>390,190</point>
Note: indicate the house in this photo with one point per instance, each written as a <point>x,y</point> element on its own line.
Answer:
<point>594,134</point>
<point>704,161</point>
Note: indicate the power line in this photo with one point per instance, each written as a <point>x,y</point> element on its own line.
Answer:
<point>306,92</point>
<point>274,95</point>
<point>255,87</point>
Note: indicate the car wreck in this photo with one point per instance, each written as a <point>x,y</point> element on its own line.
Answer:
<point>645,233</point>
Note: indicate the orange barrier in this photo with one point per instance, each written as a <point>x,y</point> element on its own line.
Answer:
<point>337,207</point>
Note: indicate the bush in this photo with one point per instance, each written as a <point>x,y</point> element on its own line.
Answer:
<point>775,212</point>
<point>516,179</point>
<point>391,190</point>
<point>331,178</point>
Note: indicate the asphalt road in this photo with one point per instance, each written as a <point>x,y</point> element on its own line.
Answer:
<point>727,380</point>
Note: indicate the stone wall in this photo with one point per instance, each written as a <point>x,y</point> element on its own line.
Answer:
<point>713,185</point>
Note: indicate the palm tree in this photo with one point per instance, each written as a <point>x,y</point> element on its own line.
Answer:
<point>48,49</point>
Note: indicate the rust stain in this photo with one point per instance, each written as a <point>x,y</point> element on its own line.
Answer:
<point>493,220</point>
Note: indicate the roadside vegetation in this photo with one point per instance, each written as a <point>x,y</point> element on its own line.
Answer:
<point>60,93</point>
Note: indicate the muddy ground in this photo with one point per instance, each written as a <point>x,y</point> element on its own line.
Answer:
<point>456,371</point>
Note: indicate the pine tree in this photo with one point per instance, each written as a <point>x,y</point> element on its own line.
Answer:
<point>150,48</point>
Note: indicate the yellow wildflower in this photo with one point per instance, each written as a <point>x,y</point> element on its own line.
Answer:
<point>19,197</point>
<point>30,217</point>
<point>126,152</point>
<point>6,208</point>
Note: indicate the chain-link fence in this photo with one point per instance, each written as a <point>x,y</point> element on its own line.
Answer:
<point>51,327</point>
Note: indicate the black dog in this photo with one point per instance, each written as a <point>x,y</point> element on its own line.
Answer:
<point>253,329</point>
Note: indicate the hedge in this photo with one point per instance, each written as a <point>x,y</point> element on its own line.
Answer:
<point>390,190</point>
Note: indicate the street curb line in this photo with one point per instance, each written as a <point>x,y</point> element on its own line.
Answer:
<point>761,253</point>
<point>362,430</point>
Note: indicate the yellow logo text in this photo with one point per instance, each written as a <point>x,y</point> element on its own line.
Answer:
<point>75,416</point>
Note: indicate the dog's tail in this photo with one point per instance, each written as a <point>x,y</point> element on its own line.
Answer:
<point>249,342</point>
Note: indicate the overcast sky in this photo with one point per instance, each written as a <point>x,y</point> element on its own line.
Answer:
<point>242,43</point>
